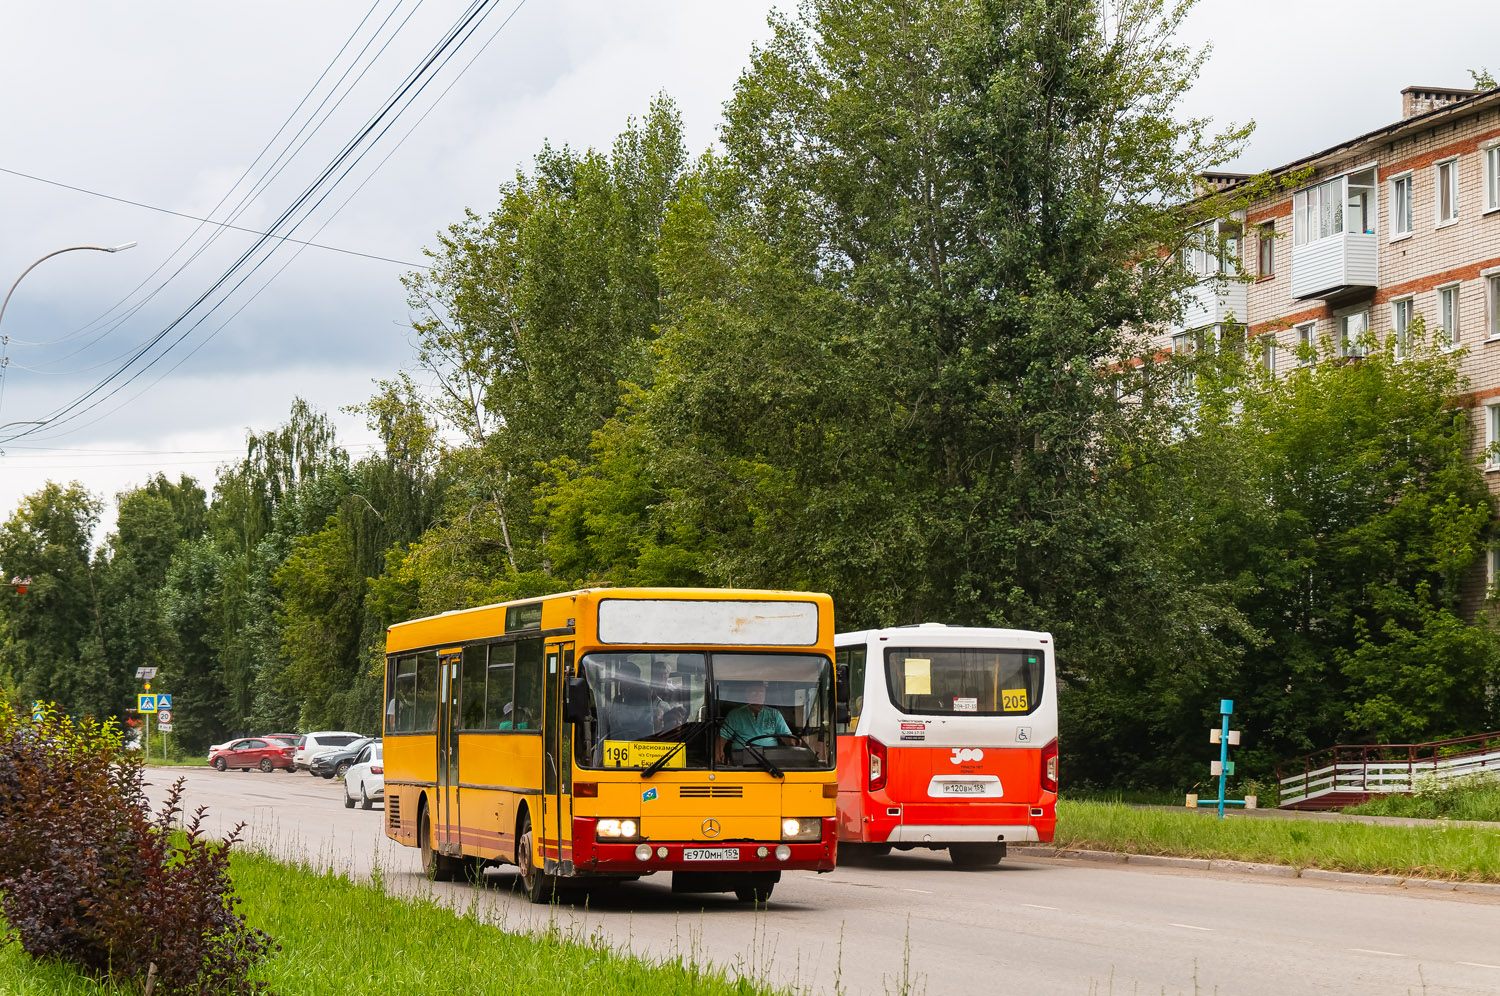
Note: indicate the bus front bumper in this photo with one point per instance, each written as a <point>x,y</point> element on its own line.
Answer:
<point>642,856</point>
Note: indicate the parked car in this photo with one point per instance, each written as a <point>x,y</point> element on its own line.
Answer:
<point>291,737</point>
<point>336,762</point>
<point>264,753</point>
<point>365,779</point>
<point>321,742</point>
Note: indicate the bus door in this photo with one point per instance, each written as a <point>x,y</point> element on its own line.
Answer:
<point>447,820</point>
<point>557,740</point>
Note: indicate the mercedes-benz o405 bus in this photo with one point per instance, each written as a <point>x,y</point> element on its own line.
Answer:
<point>949,740</point>
<point>613,733</point>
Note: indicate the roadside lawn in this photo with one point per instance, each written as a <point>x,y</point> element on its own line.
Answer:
<point>341,938</point>
<point>1453,851</point>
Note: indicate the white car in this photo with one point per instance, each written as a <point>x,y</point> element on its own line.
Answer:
<point>365,779</point>
<point>314,744</point>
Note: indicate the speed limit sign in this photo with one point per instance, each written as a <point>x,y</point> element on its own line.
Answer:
<point>163,715</point>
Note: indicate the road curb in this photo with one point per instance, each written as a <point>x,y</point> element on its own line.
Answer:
<point>1351,878</point>
<point>1253,868</point>
<point>1260,869</point>
<point>1166,861</point>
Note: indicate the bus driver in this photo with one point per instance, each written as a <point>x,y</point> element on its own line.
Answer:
<point>752,723</point>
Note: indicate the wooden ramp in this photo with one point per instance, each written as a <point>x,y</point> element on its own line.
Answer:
<point>1348,775</point>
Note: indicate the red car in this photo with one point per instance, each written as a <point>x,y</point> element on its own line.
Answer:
<point>265,753</point>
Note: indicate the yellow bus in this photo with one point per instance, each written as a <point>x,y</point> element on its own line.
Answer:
<point>612,733</point>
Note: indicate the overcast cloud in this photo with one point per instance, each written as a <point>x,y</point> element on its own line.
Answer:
<point>169,103</point>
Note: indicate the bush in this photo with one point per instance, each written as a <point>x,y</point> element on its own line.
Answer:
<point>89,875</point>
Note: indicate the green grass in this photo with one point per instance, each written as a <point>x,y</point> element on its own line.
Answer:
<point>1469,799</point>
<point>341,937</point>
<point>1453,851</point>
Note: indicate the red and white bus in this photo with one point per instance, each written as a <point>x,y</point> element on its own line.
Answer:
<point>949,741</point>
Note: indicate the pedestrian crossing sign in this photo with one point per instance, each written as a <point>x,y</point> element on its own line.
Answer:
<point>145,703</point>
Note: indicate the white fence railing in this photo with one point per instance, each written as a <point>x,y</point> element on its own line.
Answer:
<point>1378,777</point>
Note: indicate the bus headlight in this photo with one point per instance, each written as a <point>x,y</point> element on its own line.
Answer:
<point>803,829</point>
<point>615,829</point>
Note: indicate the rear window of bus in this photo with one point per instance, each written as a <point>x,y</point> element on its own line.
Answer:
<point>935,681</point>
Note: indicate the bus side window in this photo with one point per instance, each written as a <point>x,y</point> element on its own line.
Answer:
<point>528,705</point>
<point>471,687</point>
<point>851,661</point>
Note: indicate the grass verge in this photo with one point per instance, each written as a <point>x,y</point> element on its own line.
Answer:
<point>1453,851</point>
<point>341,937</point>
<point>1469,799</point>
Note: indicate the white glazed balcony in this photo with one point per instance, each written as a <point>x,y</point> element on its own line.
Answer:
<point>1212,301</point>
<point>1345,261</point>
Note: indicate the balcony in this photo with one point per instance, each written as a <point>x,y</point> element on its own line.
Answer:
<point>1341,262</point>
<point>1211,301</point>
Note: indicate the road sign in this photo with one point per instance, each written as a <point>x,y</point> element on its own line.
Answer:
<point>164,701</point>
<point>1215,734</point>
<point>145,703</point>
<point>164,727</point>
<point>145,673</point>
<point>163,716</point>
<point>37,709</point>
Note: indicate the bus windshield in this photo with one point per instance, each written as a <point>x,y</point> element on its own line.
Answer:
<point>949,680</point>
<point>726,710</point>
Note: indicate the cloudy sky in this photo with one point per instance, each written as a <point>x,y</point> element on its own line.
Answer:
<point>169,104</point>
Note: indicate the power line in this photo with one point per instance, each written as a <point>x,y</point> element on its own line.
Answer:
<point>416,82</point>
<point>209,221</point>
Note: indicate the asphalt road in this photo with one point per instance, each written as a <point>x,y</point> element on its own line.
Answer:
<point>911,923</point>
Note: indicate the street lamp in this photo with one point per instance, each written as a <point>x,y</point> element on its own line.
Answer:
<point>5,340</point>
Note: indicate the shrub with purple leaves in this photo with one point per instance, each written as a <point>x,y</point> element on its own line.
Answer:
<point>89,875</point>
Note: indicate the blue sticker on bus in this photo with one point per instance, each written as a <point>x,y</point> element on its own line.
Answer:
<point>648,795</point>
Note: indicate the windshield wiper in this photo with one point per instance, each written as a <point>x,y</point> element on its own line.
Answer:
<point>755,753</point>
<point>692,731</point>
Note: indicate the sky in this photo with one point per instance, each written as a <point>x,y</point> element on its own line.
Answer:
<point>172,105</point>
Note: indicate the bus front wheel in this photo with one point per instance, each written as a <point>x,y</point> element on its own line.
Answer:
<point>976,855</point>
<point>537,885</point>
<point>756,888</point>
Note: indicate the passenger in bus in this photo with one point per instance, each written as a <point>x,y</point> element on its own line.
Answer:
<point>752,722</point>
<point>672,719</point>
<point>510,721</point>
<point>629,716</point>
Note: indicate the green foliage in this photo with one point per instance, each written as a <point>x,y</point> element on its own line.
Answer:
<point>1474,798</point>
<point>88,876</point>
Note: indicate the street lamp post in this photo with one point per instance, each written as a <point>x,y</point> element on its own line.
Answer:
<point>5,340</point>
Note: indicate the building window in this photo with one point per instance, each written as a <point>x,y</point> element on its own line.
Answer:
<point>1269,357</point>
<point>1352,331</point>
<point>1447,191</point>
<point>1401,324</point>
<point>1307,344</point>
<point>1401,206</point>
<point>1492,436</point>
<point>1448,313</point>
<point>1492,561</point>
<point>1267,248</point>
<point>1345,204</point>
<point>1492,301</point>
<point>1182,343</point>
<point>1492,178</point>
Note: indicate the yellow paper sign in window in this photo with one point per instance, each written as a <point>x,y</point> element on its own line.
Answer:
<point>918,676</point>
<point>1013,700</point>
<point>640,753</point>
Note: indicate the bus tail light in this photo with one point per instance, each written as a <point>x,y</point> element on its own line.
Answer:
<point>1049,767</point>
<point>877,764</point>
<point>586,790</point>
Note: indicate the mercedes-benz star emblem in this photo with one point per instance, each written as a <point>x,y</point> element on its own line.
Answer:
<point>711,828</point>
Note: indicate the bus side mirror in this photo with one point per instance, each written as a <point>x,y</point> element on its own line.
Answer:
<point>841,686</point>
<point>575,700</point>
<point>842,716</point>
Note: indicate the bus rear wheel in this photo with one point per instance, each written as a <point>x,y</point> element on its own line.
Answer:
<point>437,867</point>
<point>756,888</point>
<point>976,855</point>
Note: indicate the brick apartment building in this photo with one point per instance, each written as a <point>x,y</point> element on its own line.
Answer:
<point>1399,222</point>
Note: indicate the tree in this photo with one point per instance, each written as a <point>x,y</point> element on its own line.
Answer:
<point>60,652</point>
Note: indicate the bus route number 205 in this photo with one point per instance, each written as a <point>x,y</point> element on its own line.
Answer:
<point>1013,700</point>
